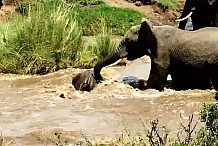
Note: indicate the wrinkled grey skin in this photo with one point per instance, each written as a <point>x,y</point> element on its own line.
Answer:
<point>84,81</point>
<point>191,57</point>
<point>205,13</point>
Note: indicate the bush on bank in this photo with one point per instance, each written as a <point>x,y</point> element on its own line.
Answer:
<point>95,51</point>
<point>47,36</point>
<point>45,40</point>
<point>89,15</point>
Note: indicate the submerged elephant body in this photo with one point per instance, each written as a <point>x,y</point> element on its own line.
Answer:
<point>84,81</point>
<point>190,57</point>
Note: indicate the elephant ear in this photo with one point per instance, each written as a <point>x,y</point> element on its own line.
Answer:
<point>147,38</point>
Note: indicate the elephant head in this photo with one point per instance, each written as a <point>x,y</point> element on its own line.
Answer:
<point>137,42</point>
<point>84,81</point>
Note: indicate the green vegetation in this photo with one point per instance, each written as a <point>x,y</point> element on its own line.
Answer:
<point>163,4</point>
<point>44,41</point>
<point>96,51</point>
<point>86,2</point>
<point>208,135</point>
<point>46,36</point>
<point>90,16</point>
<point>169,4</point>
<point>119,20</point>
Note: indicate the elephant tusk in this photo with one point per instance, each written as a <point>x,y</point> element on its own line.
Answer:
<point>113,64</point>
<point>186,17</point>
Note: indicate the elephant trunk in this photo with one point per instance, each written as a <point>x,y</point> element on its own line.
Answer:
<point>115,56</point>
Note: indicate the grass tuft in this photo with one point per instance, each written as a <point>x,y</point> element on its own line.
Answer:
<point>45,41</point>
<point>47,35</point>
<point>97,49</point>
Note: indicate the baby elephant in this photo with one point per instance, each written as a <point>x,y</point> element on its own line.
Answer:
<point>84,81</point>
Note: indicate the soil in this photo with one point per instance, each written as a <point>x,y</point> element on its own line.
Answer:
<point>6,12</point>
<point>153,12</point>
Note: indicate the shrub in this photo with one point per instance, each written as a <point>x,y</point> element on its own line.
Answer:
<point>103,46</point>
<point>46,36</point>
<point>208,135</point>
<point>47,40</point>
<point>100,48</point>
<point>89,17</point>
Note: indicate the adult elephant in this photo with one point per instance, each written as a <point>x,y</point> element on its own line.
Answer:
<point>172,51</point>
<point>202,12</point>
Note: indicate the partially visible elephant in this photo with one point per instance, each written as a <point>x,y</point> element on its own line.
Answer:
<point>84,81</point>
<point>172,51</point>
<point>202,12</point>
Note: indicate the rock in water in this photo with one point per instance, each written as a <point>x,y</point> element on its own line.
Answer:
<point>134,82</point>
<point>84,81</point>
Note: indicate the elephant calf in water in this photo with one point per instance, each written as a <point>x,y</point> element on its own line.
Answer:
<point>84,81</point>
<point>191,58</point>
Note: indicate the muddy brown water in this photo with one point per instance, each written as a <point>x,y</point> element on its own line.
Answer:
<point>31,106</point>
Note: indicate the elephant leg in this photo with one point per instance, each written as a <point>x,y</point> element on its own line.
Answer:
<point>214,79</point>
<point>189,4</point>
<point>182,24</point>
<point>215,86</point>
<point>195,23</point>
<point>188,77</point>
<point>213,17</point>
<point>157,77</point>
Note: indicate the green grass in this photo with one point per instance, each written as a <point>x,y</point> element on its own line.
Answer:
<point>90,16</point>
<point>171,4</point>
<point>47,36</point>
<point>44,41</point>
<point>86,2</point>
<point>119,20</point>
<point>96,50</point>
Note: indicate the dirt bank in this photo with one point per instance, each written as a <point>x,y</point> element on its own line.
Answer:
<point>154,13</point>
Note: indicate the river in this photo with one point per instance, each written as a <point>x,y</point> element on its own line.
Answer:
<point>32,109</point>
